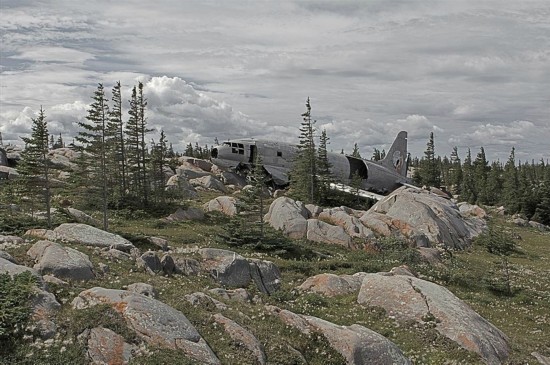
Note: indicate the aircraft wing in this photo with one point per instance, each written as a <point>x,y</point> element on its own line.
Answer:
<point>278,174</point>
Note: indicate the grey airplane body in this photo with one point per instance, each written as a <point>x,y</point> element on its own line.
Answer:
<point>380,177</point>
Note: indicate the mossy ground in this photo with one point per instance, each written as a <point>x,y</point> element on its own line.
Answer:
<point>523,316</point>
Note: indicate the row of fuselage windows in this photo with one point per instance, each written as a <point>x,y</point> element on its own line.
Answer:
<point>238,148</point>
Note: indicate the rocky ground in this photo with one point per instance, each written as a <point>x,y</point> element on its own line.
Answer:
<point>401,283</point>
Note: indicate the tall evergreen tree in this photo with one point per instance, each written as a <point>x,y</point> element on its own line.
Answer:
<point>94,137</point>
<point>468,191</point>
<point>456,172</point>
<point>159,158</point>
<point>510,184</point>
<point>117,149</point>
<point>428,172</point>
<point>304,180</point>
<point>355,152</point>
<point>323,167</point>
<point>136,130</point>
<point>481,169</point>
<point>35,165</point>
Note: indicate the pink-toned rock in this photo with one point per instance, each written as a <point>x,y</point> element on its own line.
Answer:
<point>319,231</point>
<point>107,347</point>
<point>409,298</point>
<point>332,285</point>
<point>223,204</point>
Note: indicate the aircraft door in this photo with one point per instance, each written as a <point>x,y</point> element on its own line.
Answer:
<point>253,152</point>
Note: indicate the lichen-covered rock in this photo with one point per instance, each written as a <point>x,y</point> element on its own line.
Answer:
<point>243,337</point>
<point>288,216</point>
<point>6,256</point>
<point>357,344</point>
<point>107,347</point>
<point>144,289</point>
<point>155,322</point>
<point>187,266</point>
<point>226,267</point>
<point>332,285</point>
<point>471,210</point>
<point>319,231</point>
<point>62,262</point>
<point>223,204</point>
<point>91,236</point>
<point>266,275</point>
<point>409,298</point>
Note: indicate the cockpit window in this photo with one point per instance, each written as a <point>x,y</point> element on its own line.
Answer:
<point>237,148</point>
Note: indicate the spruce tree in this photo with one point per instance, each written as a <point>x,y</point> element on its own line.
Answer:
<point>159,158</point>
<point>510,184</point>
<point>137,153</point>
<point>468,191</point>
<point>323,167</point>
<point>117,149</point>
<point>429,170</point>
<point>94,138</point>
<point>481,169</point>
<point>455,172</point>
<point>35,165</point>
<point>304,180</point>
<point>355,152</point>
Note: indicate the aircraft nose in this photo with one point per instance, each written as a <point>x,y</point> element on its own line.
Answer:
<point>214,153</point>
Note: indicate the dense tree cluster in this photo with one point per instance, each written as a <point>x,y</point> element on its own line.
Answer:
<point>520,187</point>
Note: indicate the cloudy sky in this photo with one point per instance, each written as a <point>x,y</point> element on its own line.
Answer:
<point>476,73</point>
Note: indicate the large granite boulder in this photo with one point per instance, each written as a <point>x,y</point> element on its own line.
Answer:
<point>209,182</point>
<point>91,236</point>
<point>409,298</point>
<point>223,204</point>
<point>62,262</point>
<point>351,224</point>
<point>319,231</point>
<point>420,215</point>
<point>332,285</point>
<point>226,267</point>
<point>107,347</point>
<point>155,322</point>
<point>357,344</point>
<point>266,275</point>
<point>288,216</point>
<point>181,186</point>
<point>243,337</point>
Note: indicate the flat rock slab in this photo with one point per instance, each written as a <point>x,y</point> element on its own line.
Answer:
<point>410,298</point>
<point>91,236</point>
<point>319,231</point>
<point>62,262</point>
<point>155,322</point>
<point>357,344</point>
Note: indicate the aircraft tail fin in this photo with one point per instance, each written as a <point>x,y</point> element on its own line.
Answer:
<point>397,158</point>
